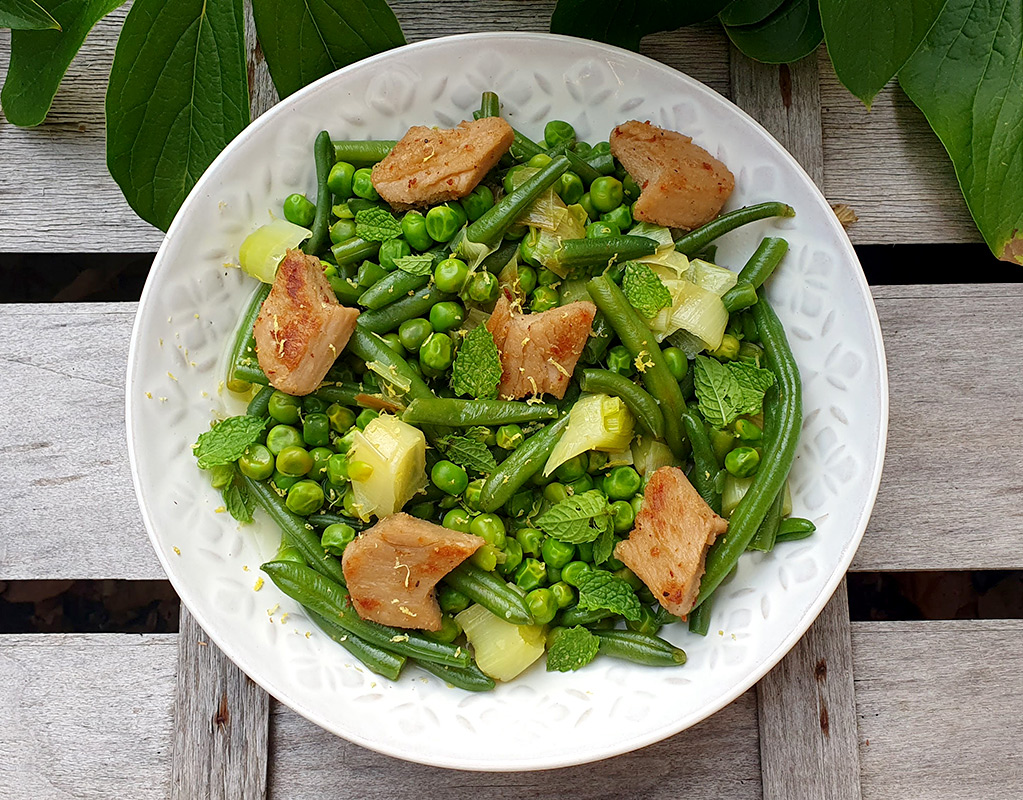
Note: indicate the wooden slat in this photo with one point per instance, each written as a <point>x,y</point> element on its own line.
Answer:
<point>717,758</point>
<point>940,707</point>
<point>86,716</point>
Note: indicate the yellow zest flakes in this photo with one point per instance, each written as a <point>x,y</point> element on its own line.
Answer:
<point>400,638</point>
<point>284,618</point>
<point>272,611</point>
<point>163,399</point>
<point>408,613</point>
<point>525,341</point>
<point>149,395</point>
<point>307,634</point>
<point>176,551</point>
<point>408,571</point>
<point>559,367</point>
<point>161,341</point>
<point>643,361</point>
<point>171,375</point>
<point>258,585</point>
<point>219,510</point>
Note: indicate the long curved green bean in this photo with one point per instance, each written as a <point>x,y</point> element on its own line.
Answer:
<point>581,168</point>
<point>636,336</point>
<point>699,617</point>
<point>354,250</point>
<point>784,402</point>
<point>323,152</point>
<point>520,466</point>
<point>491,591</point>
<point>642,405</point>
<point>417,304</point>
<point>490,105</point>
<point>391,288</point>
<point>370,347</point>
<point>363,151</point>
<point>260,404</point>
<point>523,148</point>
<point>375,659</point>
<point>243,354</point>
<point>344,394</point>
<point>470,678</point>
<point>705,463</point>
<point>325,520</point>
<point>573,616</point>
<point>758,269</point>
<point>694,241</point>
<point>793,529</point>
<point>467,413</point>
<point>640,648</point>
<point>767,533</point>
<point>581,254</point>
<point>331,600</point>
<point>499,259</point>
<point>740,296</point>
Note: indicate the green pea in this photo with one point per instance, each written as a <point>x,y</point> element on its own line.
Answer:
<point>366,416</point>
<point>321,456</point>
<point>742,462</point>
<point>299,210</point>
<point>556,553</point>
<point>282,481</point>
<point>754,352</point>
<point>606,193</point>
<point>601,148</point>
<point>595,462</point>
<point>564,595</point>
<point>341,418</point>
<point>478,202</point>
<point>627,575</point>
<point>678,363</point>
<point>316,430</point>
<point>637,504</point>
<point>510,178</point>
<point>473,492</point>
<point>557,132</point>
<point>585,552</point>
<point>337,468</point>
<point>542,605</point>
<point>450,275</point>
<point>721,442</point>
<point>486,558</point>
<point>437,352</point>
<point>630,188</point>
<point>313,405</point>
<point>527,251</point>
<point>294,461</point>
<point>509,437</point>
<point>362,184</point>
<point>449,630</point>
<point>520,504</point>
<point>483,287</point>
<point>369,273</point>
<point>570,188</point>
<point>539,161</point>
<point>748,431</point>
<point>580,485</point>
<point>728,350</point>
<point>553,574</point>
<point>443,222</point>
<point>582,148</point>
<point>413,228</point>
<point>622,483</point>
<point>284,408</point>
<point>447,316</point>
<point>530,539</point>
<point>337,537</point>
<point>342,231</point>
<point>574,572</point>
<point>451,600</point>
<point>530,574</point>
<point>622,516</point>
<point>348,505</point>
<point>281,436</point>
<point>457,519</point>
<point>393,341</point>
<point>619,360</point>
<point>647,622</point>
<point>490,528</point>
<point>555,492</point>
<point>512,556</point>
<point>527,279</point>
<point>601,230</point>
<point>339,180</point>
<point>544,299</point>
<point>449,477</point>
<point>256,462</point>
<point>586,201</point>
<point>413,332</point>
<point>360,470</point>
<point>572,469</point>
<point>304,498</point>
<point>391,250</point>
<point>620,217</point>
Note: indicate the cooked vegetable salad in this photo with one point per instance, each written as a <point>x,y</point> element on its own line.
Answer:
<point>500,406</point>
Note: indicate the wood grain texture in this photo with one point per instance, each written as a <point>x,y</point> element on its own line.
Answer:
<point>220,723</point>
<point>718,758</point>
<point>940,707</point>
<point>86,716</point>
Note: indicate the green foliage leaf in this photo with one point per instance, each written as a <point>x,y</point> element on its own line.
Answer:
<point>477,368</point>
<point>376,225</point>
<point>577,519</point>
<point>625,22</point>
<point>644,290</point>
<point>26,15</point>
<point>789,34</point>
<point>604,546</point>
<point>469,453</point>
<point>867,50</point>
<point>39,58</point>
<point>726,391</point>
<point>178,94</point>
<point>571,649</point>
<point>748,12</point>
<point>304,41</point>
<point>226,441</point>
<point>967,78</point>
<point>415,265</point>
<point>238,502</point>
<point>602,591</point>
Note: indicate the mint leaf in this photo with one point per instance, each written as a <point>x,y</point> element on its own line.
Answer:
<point>753,382</point>
<point>478,433</point>
<point>26,15</point>
<point>237,502</point>
<point>602,591</point>
<point>604,546</point>
<point>414,265</point>
<point>571,649</point>
<point>226,441</point>
<point>644,290</point>
<point>376,225</point>
<point>577,519</point>
<point>477,368</point>
<point>725,391</point>
<point>469,453</point>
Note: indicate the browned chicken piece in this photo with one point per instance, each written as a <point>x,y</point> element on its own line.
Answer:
<point>301,327</point>
<point>392,568</point>
<point>539,351</point>
<point>431,165</point>
<point>668,546</point>
<point>683,186</point>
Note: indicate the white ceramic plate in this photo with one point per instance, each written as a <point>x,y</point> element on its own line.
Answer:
<point>192,301</point>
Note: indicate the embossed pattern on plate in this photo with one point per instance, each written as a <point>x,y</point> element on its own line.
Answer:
<point>192,301</point>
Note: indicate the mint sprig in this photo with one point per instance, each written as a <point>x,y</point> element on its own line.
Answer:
<point>644,290</point>
<point>226,441</point>
<point>477,368</point>
<point>577,519</point>
<point>571,649</point>
<point>376,225</point>
<point>727,391</point>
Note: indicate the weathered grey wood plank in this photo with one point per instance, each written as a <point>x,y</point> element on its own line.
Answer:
<point>220,723</point>
<point>940,707</point>
<point>86,716</point>
<point>717,758</point>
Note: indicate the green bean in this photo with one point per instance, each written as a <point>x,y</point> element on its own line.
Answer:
<point>375,659</point>
<point>768,530</point>
<point>491,591</point>
<point>470,678</point>
<point>757,270</point>
<point>602,162</point>
<point>323,150</point>
<point>499,259</point>
<point>392,287</point>
<point>705,463</point>
<point>640,648</point>
<point>520,466</point>
<point>490,106</point>
<point>643,407</point>
<point>342,393</point>
<point>364,151</point>
<point>793,529</point>
<point>297,532</point>
<point>636,336</point>
<point>259,405</point>
<point>573,616</point>
<point>239,359</point>
<point>417,304</point>
<point>783,403</point>
<point>326,520</point>
<point>740,296</point>
<point>354,250</point>
<point>331,600</point>
<point>580,254</point>
<point>581,168</point>
<point>370,347</point>
<point>699,617</point>
<point>467,413</point>
<point>697,240</point>
<point>523,148</point>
